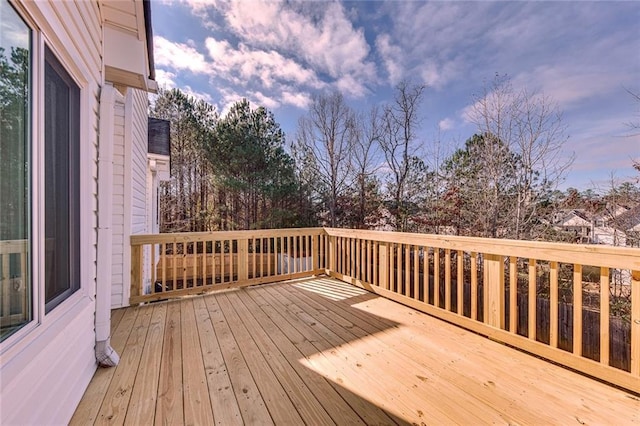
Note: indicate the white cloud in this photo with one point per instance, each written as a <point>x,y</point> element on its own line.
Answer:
<point>446,124</point>
<point>299,100</point>
<point>165,79</point>
<point>319,34</point>
<point>264,100</point>
<point>392,58</point>
<point>351,86</point>
<point>196,94</point>
<point>568,85</point>
<point>228,98</point>
<point>178,56</point>
<point>268,66</point>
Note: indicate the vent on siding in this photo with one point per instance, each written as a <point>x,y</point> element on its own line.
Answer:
<point>159,137</point>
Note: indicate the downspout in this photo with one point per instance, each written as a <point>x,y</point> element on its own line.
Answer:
<point>105,354</point>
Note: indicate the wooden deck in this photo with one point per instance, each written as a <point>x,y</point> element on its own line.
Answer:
<point>318,352</point>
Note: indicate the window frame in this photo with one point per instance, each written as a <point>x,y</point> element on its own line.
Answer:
<point>63,49</point>
<point>73,187</point>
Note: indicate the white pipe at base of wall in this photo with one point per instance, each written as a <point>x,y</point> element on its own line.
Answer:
<point>105,354</point>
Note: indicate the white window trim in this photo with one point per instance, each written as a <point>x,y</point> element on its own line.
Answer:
<point>33,16</point>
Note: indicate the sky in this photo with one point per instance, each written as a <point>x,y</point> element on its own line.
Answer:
<point>585,56</point>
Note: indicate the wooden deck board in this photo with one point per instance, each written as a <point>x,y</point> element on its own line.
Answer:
<point>251,404</point>
<point>197,405</point>
<point>368,355</point>
<point>297,390</point>
<point>327,396</point>
<point>322,352</point>
<point>87,411</point>
<point>116,401</point>
<point>409,353</point>
<point>223,401</point>
<point>367,411</point>
<point>169,407</point>
<point>280,407</point>
<point>142,405</point>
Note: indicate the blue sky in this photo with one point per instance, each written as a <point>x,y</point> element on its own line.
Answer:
<point>582,54</point>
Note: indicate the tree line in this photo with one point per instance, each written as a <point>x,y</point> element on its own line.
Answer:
<point>227,173</point>
<point>368,169</point>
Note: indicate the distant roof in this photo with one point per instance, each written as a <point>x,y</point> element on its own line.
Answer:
<point>628,219</point>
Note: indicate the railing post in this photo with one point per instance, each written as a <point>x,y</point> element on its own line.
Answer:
<point>314,249</point>
<point>136,271</point>
<point>635,323</point>
<point>243,259</point>
<point>332,254</point>
<point>494,290</point>
<point>383,265</point>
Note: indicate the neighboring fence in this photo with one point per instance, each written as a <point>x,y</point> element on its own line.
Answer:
<point>470,280</point>
<point>171,265</point>
<point>576,305</point>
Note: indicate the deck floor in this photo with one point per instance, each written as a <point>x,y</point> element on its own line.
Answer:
<point>319,352</point>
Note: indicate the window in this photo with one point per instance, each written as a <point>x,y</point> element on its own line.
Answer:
<point>62,192</point>
<point>15,174</point>
<point>57,204</point>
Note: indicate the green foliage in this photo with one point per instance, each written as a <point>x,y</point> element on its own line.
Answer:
<point>187,200</point>
<point>480,183</point>
<point>14,124</point>
<point>251,164</point>
<point>227,173</point>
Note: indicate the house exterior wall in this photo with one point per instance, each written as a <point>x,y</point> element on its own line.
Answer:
<point>46,367</point>
<point>139,103</point>
<point>47,364</point>
<point>608,236</point>
<point>130,209</point>
<point>118,220</point>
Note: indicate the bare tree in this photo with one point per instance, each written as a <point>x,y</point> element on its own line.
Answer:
<point>324,146</point>
<point>398,138</point>
<point>635,129</point>
<point>635,125</point>
<point>365,153</point>
<point>530,124</point>
<point>435,209</point>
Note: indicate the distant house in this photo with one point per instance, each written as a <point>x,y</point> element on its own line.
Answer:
<point>629,224</point>
<point>609,228</point>
<point>79,177</point>
<point>575,222</point>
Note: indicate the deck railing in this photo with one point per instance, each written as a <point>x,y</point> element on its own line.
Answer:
<point>14,295</point>
<point>170,265</point>
<point>577,305</point>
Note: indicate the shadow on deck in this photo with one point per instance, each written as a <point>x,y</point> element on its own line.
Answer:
<point>319,351</point>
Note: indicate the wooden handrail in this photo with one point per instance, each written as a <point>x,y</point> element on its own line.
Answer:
<point>609,256</point>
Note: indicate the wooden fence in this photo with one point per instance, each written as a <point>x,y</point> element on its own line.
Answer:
<point>576,305</point>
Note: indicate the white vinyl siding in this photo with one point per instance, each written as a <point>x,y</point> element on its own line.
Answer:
<point>44,384</point>
<point>129,190</point>
<point>118,212</point>
<point>139,147</point>
<point>139,162</point>
<point>45,372</point>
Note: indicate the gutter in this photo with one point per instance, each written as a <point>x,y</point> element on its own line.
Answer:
<point>106,356</point>
<point>146,5</point>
